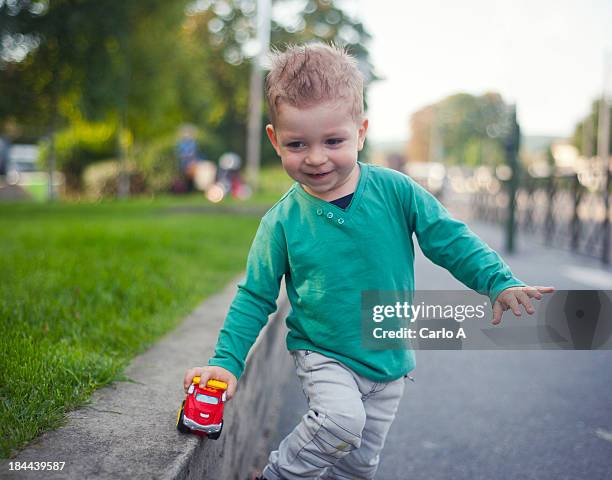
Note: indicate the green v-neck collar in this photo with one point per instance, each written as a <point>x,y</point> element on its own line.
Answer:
<point>364,171</point>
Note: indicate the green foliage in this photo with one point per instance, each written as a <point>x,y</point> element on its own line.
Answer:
<point>461,129</point>
<point>591,122</point>
<point>150,66</point>
<point>102,54</point>
<point>472,152</point>
<point>158,162</point>
<point>80,145</point>
<point>274,181</point>
<point>101,179</point>
<point>228,27</point>
<point>85,287</point>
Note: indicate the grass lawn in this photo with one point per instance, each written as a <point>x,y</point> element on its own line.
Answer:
<point>85,287</point>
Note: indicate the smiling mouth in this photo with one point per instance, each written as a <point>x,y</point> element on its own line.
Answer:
<point>318,175</point>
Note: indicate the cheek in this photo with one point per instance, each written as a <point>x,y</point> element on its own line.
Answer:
<point>289,161</point>
<point>349,153</point>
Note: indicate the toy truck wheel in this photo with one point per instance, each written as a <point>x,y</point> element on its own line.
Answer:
<point>216,435</point>
<point>180,426</point>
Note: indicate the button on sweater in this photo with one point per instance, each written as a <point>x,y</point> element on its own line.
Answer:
<point>329,256</point>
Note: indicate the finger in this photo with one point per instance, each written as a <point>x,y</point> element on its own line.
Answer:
<point>513,304</point>
<point>192,372</point>
<point>186,378</point>
<point>205,376</point>
<point>523,299</point>
<point>532,292</point>
<point>497,313</point>
<point>219,373</point>
<point>545,289</point>
<point>231,387</point>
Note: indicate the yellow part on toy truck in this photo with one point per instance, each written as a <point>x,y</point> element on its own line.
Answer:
<point>211,383</point>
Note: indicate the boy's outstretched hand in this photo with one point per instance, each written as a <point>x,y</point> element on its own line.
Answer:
<point>512,298</point>
<point>206,373</point>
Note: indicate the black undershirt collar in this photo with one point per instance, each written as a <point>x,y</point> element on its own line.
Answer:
<point>343,202</point>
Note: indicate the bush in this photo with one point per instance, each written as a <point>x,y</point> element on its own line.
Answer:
<point>80,145</point>
<point>159,164</point>
<point>101,179</point>
<point>83,144</point>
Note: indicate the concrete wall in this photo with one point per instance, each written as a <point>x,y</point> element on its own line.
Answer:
<point>251,417</point>
<point>128,430</point>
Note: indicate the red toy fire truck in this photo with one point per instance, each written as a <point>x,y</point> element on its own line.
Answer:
<point>202,410</point>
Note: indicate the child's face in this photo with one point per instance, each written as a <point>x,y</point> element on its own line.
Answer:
<point>319,146</point>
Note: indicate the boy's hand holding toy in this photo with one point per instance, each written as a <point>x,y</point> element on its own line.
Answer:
<point>207,373</point>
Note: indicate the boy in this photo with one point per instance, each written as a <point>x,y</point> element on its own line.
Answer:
<point>344,227</point>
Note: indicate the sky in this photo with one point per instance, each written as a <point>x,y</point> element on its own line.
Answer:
<point>546,56</point>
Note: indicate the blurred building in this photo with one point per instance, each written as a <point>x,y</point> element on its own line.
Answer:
<point>388,154</point>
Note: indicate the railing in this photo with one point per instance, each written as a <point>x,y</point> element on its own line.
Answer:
<point>566,210</point>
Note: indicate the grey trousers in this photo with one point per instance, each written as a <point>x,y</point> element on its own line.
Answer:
<point>343,432</point>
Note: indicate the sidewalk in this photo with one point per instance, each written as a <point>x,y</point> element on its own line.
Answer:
<point>469,415</point>
<point>128,430</point>
<point>12,193</point>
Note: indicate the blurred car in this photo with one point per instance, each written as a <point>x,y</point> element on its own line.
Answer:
<point>430,175</point>
<point>22,159</point>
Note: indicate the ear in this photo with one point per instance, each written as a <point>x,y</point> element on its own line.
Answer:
<point>361,134</point>
<point>272,136</point>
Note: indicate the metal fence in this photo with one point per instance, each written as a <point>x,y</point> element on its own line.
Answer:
<point>566,210</point>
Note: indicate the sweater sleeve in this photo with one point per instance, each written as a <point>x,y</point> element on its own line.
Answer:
<point>449,243</point>
<point>254,301</point>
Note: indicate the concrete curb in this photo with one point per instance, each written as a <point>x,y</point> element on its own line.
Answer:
<point>128,430</point>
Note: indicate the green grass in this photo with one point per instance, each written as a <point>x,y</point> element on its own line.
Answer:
<point>39,191</point>
<point>85,287</point>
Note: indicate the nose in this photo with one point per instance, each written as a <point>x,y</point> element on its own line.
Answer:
<point>316,157</point>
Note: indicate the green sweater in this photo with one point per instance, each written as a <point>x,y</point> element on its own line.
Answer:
<point>329,256</point>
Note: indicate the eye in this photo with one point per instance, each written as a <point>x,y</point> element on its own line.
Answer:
<point>295,145</point>
<point>334,141</point>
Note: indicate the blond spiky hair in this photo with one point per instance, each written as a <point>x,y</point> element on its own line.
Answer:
<point>305,75</point>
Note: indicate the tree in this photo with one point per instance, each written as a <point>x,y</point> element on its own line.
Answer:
<point>586,141</point>
<point>40,51</point>
<point>226,30</point>
<point>142,67</point>
<point>69,62</point>
<point>460,129</point>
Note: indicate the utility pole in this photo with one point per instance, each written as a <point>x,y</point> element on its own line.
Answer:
<point>603,151</point>
<point>123,186</point>
<point>256,92</point>
<point>512,140</point>
<point>52,159</point>
<point>52,164</point>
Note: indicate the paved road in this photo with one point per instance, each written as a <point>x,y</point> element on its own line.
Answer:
<point>502,415</point>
